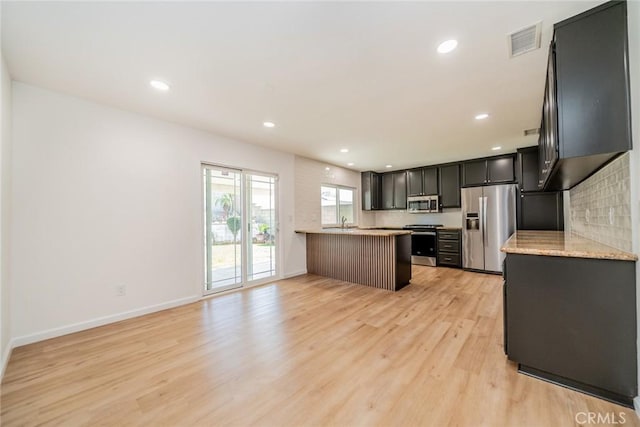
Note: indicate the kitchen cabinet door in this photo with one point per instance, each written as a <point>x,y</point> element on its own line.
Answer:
<point>449,184</point>
<point>400,190</point>
<point>430,181</point>
<point>370,191</point>
<point>540,211</point>
<point>500,170</point>
<point>587,111</point>
<point>415,182</point>
<point>387,191</point>
<point>528,175</point>
<point>474,173</point>
<point>572,321</point>
<point>591,65</point>
<point>551,118</point>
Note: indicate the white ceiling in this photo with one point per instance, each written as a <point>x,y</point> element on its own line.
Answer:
<point>365,76</point>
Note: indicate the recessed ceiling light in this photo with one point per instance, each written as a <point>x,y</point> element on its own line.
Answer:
<point>496,148</point>
<point>269,124</point>
<point>327,168</point>
<point>350,164</point>
<point>482,116</point>
<point>159,85</point>
<point>447,46</point>
<point>388,166</point>
<point>344,150</point>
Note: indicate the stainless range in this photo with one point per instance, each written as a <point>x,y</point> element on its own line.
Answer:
<point>423,243</point>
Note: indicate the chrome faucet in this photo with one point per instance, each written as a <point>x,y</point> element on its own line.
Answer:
<point>344,219</point>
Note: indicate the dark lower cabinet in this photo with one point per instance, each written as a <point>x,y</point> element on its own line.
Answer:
<point>448,246</point>
<point>572,321</point>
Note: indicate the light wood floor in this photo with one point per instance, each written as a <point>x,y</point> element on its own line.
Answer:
<point>303,351</point>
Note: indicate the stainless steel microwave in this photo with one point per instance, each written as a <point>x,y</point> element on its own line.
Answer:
<point>423,204</point>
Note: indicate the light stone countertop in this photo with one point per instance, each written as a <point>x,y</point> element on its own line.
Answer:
<point>559,243</point>
<point>355,231</point>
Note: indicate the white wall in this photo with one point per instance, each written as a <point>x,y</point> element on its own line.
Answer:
<point>103,197</point>
<point>310,175</point>
<point>5,210</point>
<point>633,13</point>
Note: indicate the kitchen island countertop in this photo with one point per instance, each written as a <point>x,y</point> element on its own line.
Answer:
<point>355,231</point>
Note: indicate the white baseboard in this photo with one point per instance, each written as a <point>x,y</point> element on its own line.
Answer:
<point>295,273</point>
<point>99,321</point>
<point>636,405</point>
<point>5,358</point>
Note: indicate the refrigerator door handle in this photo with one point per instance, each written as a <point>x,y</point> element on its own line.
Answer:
<point>484,221</point>
<point>481,217</point>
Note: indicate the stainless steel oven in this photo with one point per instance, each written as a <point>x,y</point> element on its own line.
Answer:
<point>423,243</point>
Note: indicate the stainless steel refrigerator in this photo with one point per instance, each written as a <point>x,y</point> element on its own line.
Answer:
<point>489,218</point>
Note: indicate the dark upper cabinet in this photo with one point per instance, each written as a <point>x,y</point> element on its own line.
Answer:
<point>422,181</point>
<point>492,170</point>
<point>387,191</point>
<point>449,183</point>
<point>586,118</point>
<point>540,211</point>
<point>430,181</point>
<point>500,169</point>
<point>371,191</point>
<point>536,210</point>
<point>528,169</point>
<point>400,190</point>
<point>414,182</point>
<point>474,173</point>
<point>394,190</point>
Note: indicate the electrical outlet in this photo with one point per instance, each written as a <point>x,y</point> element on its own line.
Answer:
<point>121,290</point>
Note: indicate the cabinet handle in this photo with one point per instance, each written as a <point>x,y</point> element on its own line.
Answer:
<point>544,171</point>
<point>546,162</point>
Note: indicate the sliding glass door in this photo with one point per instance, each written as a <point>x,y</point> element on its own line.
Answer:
<point>261,204</point>
<point>223,230</point>
<point>240,227</point>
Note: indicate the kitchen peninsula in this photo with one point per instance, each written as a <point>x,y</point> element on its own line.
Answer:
<point>376,258</point>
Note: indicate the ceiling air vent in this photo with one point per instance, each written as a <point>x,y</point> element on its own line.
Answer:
<point>525,40</point>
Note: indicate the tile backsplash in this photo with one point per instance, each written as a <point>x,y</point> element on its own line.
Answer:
<point>600,207</point>
<point>449,218</point>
